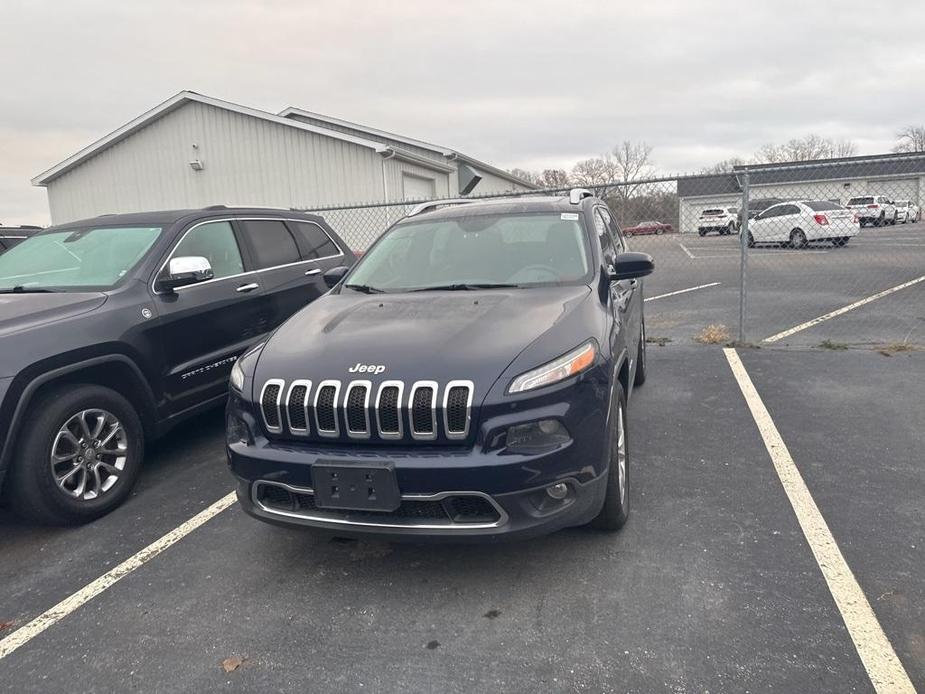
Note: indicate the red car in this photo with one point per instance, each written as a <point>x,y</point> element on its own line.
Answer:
<point>648,228</point>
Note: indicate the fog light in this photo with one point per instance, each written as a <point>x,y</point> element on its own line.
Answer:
<point>236,431</point>
<point>546,433</point>
<point>558,491</point>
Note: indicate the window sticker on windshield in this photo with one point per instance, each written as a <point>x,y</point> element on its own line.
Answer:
<point>570,216</point>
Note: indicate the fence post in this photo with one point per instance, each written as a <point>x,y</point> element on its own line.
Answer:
<point>743,258</point>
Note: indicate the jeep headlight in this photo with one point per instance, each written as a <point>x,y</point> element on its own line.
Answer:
<point>567,365</point>
<point>238,374</point>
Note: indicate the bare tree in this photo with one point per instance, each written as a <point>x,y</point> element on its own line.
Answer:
<point>556,178</point>
<point>809,148</point>
<point>528,176</point>
<point>911,139</point>
<point>724,166</point>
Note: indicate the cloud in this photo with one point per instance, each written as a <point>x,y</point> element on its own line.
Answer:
<point>532,84</point>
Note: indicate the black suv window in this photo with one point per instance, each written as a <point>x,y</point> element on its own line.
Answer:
<point>271,242</point>
<point>608,250</point>
<point>615,233</point>
<point>317,243</point>
<point>216,243</point>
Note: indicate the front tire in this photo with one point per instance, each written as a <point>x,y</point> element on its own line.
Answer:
<point>731,229</point>
<point>80,453</point>
<point>616,508</point>
<point>751,240</point>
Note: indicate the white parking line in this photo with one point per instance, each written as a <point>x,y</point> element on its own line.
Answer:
<point>884,668</point>
<point>50,617</point>
<point>683,291</point>
<point>845,309</point>
<point>684,248</point>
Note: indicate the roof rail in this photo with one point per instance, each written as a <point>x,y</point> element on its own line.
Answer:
<point>434,204</point>
<point>576,195</point>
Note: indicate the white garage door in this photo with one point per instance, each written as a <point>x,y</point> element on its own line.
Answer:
<point>418,187</point>
<point>899,189</point>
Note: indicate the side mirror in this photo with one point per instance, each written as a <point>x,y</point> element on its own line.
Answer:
<point>185,270</point>
<point>630,265</point>
<point>335,275</point>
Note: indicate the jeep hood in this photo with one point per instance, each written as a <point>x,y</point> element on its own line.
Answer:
<point>20,312</point>
<point>441,336</point>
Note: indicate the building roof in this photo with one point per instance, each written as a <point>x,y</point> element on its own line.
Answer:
<point>185,97</point>
<point>875,166</point>
<point>450,154</point>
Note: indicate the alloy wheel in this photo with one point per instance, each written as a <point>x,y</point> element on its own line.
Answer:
<point>88,454</point>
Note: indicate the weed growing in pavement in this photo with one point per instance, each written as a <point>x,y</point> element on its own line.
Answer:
<point>717,334</point>
<point>830,344</point>
<point>660,341</point>
<point>895,348</point>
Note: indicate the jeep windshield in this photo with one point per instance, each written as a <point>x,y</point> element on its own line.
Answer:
<point>74,259</point>
<point>477,252</point>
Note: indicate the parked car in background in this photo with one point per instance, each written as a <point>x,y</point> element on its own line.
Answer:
<point>468,378</point>
<point>722,220</point>
<point>876,210</point>
<point>756,206</point>
<point>798,223</point>
<point>907,211</point>
<point>652,227</point>
<point>10,236</point>
<point>114,329</point>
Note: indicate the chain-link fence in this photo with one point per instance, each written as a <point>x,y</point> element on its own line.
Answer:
<point>824,254</point>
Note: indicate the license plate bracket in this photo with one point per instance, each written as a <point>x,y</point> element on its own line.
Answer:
<point>361,487</point>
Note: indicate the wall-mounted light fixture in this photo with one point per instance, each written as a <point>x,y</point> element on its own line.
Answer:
<point>197,165</point>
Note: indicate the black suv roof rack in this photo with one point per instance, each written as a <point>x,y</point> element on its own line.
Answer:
<point>434,204</point>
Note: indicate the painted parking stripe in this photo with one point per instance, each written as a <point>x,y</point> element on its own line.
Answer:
<point>884,668</point>
<point>683,291</point>
<point>29,631</point>
<point>844,309</point>
<point>684,248</point>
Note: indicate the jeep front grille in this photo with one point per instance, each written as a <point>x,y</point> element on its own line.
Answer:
<point>365,411</point>
<point>270,399</point>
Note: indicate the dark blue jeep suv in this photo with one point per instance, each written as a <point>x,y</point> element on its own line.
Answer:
<point>468,377</point>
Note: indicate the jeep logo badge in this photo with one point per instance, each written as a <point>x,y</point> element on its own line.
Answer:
<point>366,368</point>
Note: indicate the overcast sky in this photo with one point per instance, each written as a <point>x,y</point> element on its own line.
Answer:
<point>528,84</point>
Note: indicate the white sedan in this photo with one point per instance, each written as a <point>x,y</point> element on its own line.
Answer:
<point>907,211</point>
<point>800,222</point>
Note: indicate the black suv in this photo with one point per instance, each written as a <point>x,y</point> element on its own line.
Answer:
<point>114,329</point>
<point>467,378</point>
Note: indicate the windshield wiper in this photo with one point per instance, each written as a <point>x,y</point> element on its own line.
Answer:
<point>20,289</point>
<point>364,289</point>
<point>465,286</point>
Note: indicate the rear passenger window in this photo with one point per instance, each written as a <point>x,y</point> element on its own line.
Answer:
<point>317,242</point>
<point>271,242</point>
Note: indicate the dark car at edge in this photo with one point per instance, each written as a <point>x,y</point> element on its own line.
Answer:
<point>115,329</point>
<point>468,379</point>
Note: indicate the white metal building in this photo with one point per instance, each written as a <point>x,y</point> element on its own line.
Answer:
<point>898,176</point>
<point>193,151</point>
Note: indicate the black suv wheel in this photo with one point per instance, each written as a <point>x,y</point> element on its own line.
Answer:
<point>616,507</point>
<point>78,456</point>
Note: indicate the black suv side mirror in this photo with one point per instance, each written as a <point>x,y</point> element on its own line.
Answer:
<point>185,270</point>
<point>335,275</point>
<point>629,266</point>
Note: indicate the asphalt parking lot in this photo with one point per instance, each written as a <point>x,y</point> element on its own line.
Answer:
<point>713,585</point>
<point>787,287</point>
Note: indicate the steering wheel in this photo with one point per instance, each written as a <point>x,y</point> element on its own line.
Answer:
<point>551,271</point>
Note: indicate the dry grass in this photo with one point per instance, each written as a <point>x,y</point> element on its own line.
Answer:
<point>896,348</point>
<point>717,334</point>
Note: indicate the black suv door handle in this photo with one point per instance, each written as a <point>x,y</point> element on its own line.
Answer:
<point>244,288</point>
<point>316,271</point>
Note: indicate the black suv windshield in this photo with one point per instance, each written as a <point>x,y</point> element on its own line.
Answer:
<point>78,258</point>
<point>478,251</point>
